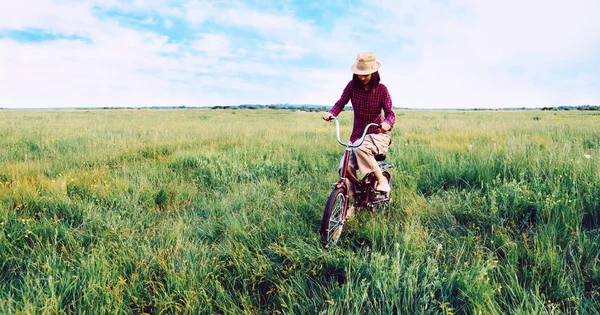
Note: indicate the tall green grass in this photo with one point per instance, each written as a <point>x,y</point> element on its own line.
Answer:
<point>217,211</point>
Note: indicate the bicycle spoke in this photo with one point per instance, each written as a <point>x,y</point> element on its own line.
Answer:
<point>333,220</point>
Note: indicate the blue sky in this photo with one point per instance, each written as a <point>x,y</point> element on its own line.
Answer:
<point>434,53</point>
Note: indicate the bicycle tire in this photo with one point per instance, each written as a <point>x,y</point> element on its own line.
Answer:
<point>333,217</point>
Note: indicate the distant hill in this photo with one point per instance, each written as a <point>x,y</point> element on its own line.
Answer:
<point>318,108</point>
<point>309,107</point>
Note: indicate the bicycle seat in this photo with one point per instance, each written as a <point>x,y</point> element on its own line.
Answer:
<point>380,157</point>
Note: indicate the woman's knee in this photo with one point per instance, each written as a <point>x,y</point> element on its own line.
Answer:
<point>365,150</point>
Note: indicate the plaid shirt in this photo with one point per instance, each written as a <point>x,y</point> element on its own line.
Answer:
<point>367,108</point>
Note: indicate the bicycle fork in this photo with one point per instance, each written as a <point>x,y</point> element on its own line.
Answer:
<point>345,183</point>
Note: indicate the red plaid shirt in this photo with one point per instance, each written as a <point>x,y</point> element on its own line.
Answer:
<point>367,108</point>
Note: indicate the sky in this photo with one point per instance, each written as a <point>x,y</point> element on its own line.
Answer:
<point>434,53</point>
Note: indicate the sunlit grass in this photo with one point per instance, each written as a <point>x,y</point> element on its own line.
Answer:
<point>217,211</point>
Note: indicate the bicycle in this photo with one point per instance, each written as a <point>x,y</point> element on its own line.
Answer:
<point>363,191</point>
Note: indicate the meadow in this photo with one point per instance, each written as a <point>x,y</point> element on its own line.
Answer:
<point>198,211</point>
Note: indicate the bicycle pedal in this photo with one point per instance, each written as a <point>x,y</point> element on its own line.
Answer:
<point>384,165</point>
<point>382,197</point>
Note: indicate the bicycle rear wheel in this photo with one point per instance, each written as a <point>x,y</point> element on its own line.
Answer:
<point>333,217</point>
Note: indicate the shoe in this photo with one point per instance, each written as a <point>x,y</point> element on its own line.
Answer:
<point>383,187</point>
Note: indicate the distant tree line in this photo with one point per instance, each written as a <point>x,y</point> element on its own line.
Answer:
<point>580,107</point>
<point>306,108</point>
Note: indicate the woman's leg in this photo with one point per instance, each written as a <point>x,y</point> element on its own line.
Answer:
<point>365,157</point>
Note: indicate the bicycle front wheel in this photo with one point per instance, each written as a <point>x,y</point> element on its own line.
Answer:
<point>333,217</point>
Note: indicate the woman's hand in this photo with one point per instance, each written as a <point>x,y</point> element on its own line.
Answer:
<point>327,116</point>
<point>385,126</point>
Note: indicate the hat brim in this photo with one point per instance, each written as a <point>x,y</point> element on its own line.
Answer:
<point>355,70</point>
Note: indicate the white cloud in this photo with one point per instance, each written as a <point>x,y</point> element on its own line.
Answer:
<point>198,12</point>
<point>270,24</point>
<point>460,53</point>
<point>115,69</point>
<point>286,50</point>
<point>213,45</point>
<point>70,18</point>
<point>72,73</point>
<point>452,53</point>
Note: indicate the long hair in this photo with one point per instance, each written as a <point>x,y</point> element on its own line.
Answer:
<point>357,83</point>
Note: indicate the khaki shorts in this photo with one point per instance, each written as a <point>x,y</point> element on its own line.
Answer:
<point>363,157</point>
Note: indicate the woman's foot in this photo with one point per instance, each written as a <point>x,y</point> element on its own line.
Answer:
<point>384,186</point>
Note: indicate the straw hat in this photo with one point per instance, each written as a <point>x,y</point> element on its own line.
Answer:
<point>365,64</point>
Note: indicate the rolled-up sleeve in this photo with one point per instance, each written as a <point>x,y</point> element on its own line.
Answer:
<point>388,109</point>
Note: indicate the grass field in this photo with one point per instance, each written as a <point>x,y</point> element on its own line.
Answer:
<point>217,212</point>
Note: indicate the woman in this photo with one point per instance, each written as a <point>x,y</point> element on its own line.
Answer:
<point>369,98</point>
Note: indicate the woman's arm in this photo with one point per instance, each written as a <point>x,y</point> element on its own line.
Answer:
<point>341,103</point>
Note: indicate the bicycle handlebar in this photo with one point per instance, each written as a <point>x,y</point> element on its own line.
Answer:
<point>350,144</point>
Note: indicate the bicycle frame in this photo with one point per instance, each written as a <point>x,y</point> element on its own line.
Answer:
<point>347,179</point>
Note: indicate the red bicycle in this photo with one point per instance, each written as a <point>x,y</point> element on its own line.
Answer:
<point>362,191</point>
